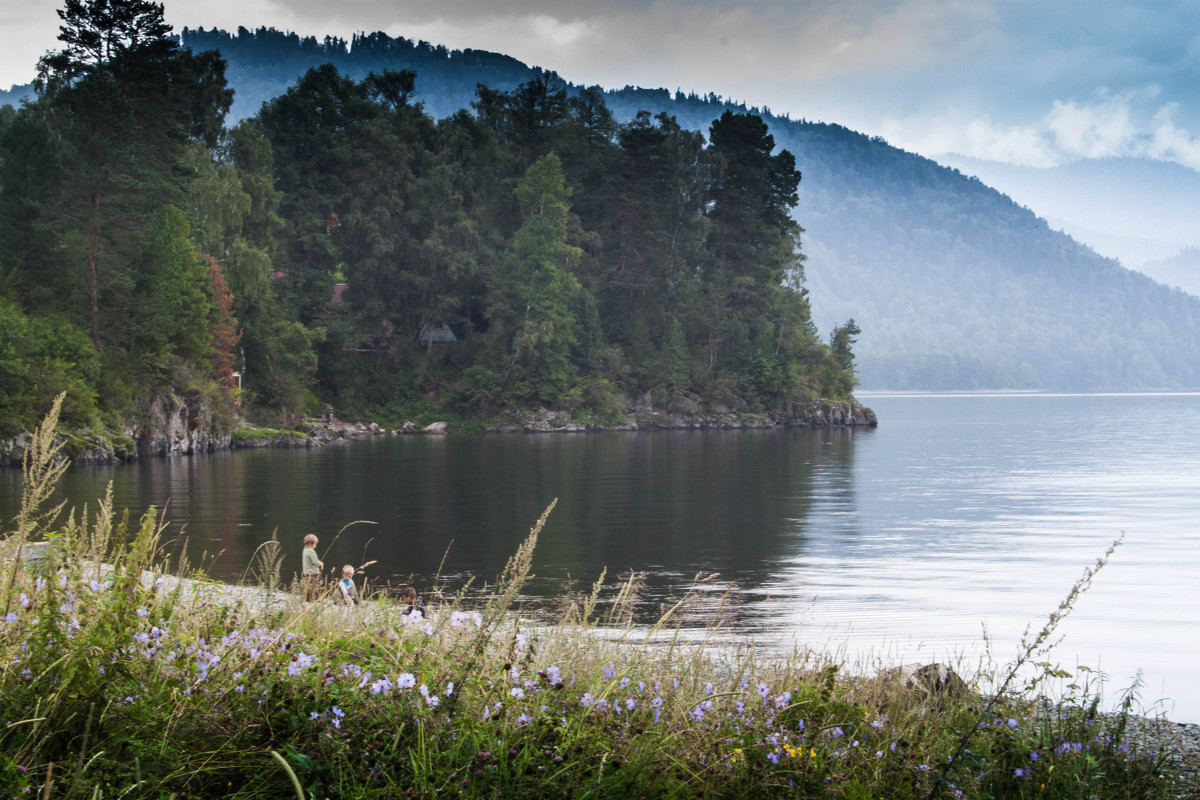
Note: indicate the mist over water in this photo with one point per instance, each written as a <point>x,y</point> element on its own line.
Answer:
<point>959,514</point>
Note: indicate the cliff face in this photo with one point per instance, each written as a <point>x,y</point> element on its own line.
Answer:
<point>830,414</point>
<point>165,424</point>
<point>170,425</point>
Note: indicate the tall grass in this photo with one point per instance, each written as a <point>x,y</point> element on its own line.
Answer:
<point>122,678</point>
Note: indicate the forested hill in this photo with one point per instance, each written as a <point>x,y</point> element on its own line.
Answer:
<point>953,284</point>
<point>341,246</point>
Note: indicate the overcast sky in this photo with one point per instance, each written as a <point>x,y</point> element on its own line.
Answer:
<point>1037,82</point>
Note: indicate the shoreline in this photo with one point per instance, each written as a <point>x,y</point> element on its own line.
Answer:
<point>173,440</point>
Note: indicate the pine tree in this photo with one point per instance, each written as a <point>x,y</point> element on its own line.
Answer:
<point>531,293</point>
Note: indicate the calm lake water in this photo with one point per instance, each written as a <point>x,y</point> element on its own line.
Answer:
<point>959,514</point>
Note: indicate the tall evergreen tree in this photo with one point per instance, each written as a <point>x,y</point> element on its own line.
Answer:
<point>653,233</point>
<point>531,292</point>
<point>120,100</point>
<point>312,161</point>
<point>754,241</point>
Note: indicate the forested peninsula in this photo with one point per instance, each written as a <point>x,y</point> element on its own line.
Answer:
<point>342,250</point>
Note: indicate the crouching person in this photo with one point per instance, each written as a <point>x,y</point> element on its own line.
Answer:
<point>347,593</point>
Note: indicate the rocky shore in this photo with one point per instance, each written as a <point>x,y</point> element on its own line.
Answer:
<point>642,417</point>
<point>1183,741</point>
<point>169,426</point>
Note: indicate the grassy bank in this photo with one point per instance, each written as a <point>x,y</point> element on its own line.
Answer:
<point>121,681</point>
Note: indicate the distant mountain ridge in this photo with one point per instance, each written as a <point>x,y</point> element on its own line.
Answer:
<point>14,95</point>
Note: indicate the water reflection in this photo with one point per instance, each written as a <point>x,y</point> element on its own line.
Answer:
<point>671,504</point>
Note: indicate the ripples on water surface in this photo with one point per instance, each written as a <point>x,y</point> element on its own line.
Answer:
<point>904,542</point>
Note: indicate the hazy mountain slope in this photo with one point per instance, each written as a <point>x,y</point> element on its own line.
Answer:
<point>1182,270</point>
<point>955,285</point>
<point>958,287</point>
<point>1134,210</point>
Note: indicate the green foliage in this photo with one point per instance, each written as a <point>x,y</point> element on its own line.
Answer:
<point>91,200</point>
<point>173,295</point>
<point>548,239</point>
<point>841,342</point>
<point>532,292</point>
<point>533,252</point>
<point>41,357</point>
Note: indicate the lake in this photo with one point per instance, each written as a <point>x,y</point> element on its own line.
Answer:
<point>959,514</point>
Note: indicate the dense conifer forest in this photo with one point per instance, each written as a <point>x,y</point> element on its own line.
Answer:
<point>343,246</point>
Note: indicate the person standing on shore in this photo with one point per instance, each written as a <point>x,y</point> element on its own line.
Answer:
<point>311,567</point>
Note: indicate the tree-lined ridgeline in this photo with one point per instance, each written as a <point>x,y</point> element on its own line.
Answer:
<point>344,247</point>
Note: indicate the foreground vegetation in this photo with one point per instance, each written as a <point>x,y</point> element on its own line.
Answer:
<point>121,681</point>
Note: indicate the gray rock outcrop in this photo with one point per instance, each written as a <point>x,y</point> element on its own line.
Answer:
<point>170,425</point>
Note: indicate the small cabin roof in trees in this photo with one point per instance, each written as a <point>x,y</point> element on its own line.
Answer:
<point>438,331</point>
